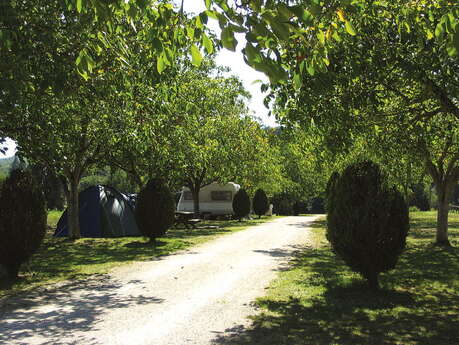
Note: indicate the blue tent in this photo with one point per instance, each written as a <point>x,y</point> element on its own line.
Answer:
<point>104,212</point>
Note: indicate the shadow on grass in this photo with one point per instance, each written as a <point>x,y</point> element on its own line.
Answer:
<point>325,303</point>
<point>141,244</point>
<point>188,233</point>
<point>320,223</point>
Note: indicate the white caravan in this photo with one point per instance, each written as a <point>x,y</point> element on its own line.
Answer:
<point>215,198</point>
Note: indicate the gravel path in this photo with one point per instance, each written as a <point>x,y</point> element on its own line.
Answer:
<point>192,297</point>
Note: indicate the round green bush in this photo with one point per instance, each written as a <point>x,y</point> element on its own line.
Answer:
<point>367,222</point>
<point>241,204</point>
<point>155,208</point>
<point>260,203</point>
<point>22,220</point>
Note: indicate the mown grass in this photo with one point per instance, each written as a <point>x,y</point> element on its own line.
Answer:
<point>320,301</point>
<point>59,259</point>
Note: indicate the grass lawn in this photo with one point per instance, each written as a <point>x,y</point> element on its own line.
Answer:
<point>59,259</point>
<point>320,301</point>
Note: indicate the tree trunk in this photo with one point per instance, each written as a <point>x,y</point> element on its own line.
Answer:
<point>373,281</point>
<point>195,193</point>
<point>137,180</point>
<point>73,209</point>
<point>406,187</point>
<point>444,195</point>
<point>12,270</point>
<point>444,185</point>
<point>153,241</point>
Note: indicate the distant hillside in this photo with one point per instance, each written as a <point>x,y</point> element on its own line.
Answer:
<point>5,165</point>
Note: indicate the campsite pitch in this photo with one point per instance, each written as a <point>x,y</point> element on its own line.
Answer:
<point>189,298</point>
<point>59,259</point>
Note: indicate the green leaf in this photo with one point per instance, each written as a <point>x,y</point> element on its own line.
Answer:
<point>168,56</point>
<point>212,14</point>
<point>250,37</point>
<point>156,44</point>
<point>297,81</point>
<point>307,17</point>
<point>196,57</point>
<point>198,22</point>
<point>260,30</point>
<point>315,9</point>
<point>222,21</point>
<point>350,28</point>
<point>262,67</point>
<point>284,10</point>
<point>228,40</point>
<point>208,4</point>
<point>456,41</point>
<point>207,43</point>
<point>310,69</point>
<point>430,35</point>
<point>190,32</point>
<point>336,36</point>
<point>204,18</point>
<point>302,14</point>
<point>80,57</point>
<point>278,73</point>
<point>321,37</point>
<point>451,49</point>
<point>160,64</point>
<point>255,5</point>
<point>281,30</point>
<point>439,29</point>
<point>252,54</point>
<point>90,62</point>
<point>79,5</point>
<point>237,28</point>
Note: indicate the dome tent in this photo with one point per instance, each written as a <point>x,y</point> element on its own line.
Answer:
<point>104,212</point>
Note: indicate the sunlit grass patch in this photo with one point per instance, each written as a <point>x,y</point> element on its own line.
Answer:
<point>320,301</point>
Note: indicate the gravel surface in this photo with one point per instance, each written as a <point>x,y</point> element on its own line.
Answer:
<point>193,297</point>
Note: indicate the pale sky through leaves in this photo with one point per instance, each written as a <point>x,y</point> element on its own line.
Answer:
<point>233,60</point>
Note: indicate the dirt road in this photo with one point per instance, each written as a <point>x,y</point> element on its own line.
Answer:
<point>189,298</point>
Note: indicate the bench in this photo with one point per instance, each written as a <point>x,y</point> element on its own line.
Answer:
<point>193,222</point>
<point>186,219</point>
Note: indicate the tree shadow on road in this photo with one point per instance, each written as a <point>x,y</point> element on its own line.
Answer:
<point>66,309</point>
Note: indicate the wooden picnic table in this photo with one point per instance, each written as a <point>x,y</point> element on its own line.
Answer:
<point>186,218</point>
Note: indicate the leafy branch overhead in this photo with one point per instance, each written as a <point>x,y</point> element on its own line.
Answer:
<point>285,40</point>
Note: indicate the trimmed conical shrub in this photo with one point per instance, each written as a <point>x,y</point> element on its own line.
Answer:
<point>241,204</point>
<point>260,203</point>
<point>155,209</point>
<point>367,222</point>
<point>22,220</point>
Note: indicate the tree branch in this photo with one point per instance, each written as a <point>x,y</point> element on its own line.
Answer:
<point>447,104</point>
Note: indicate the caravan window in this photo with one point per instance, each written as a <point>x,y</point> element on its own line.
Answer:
<point>187,195</point>
<point>221,195</point>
